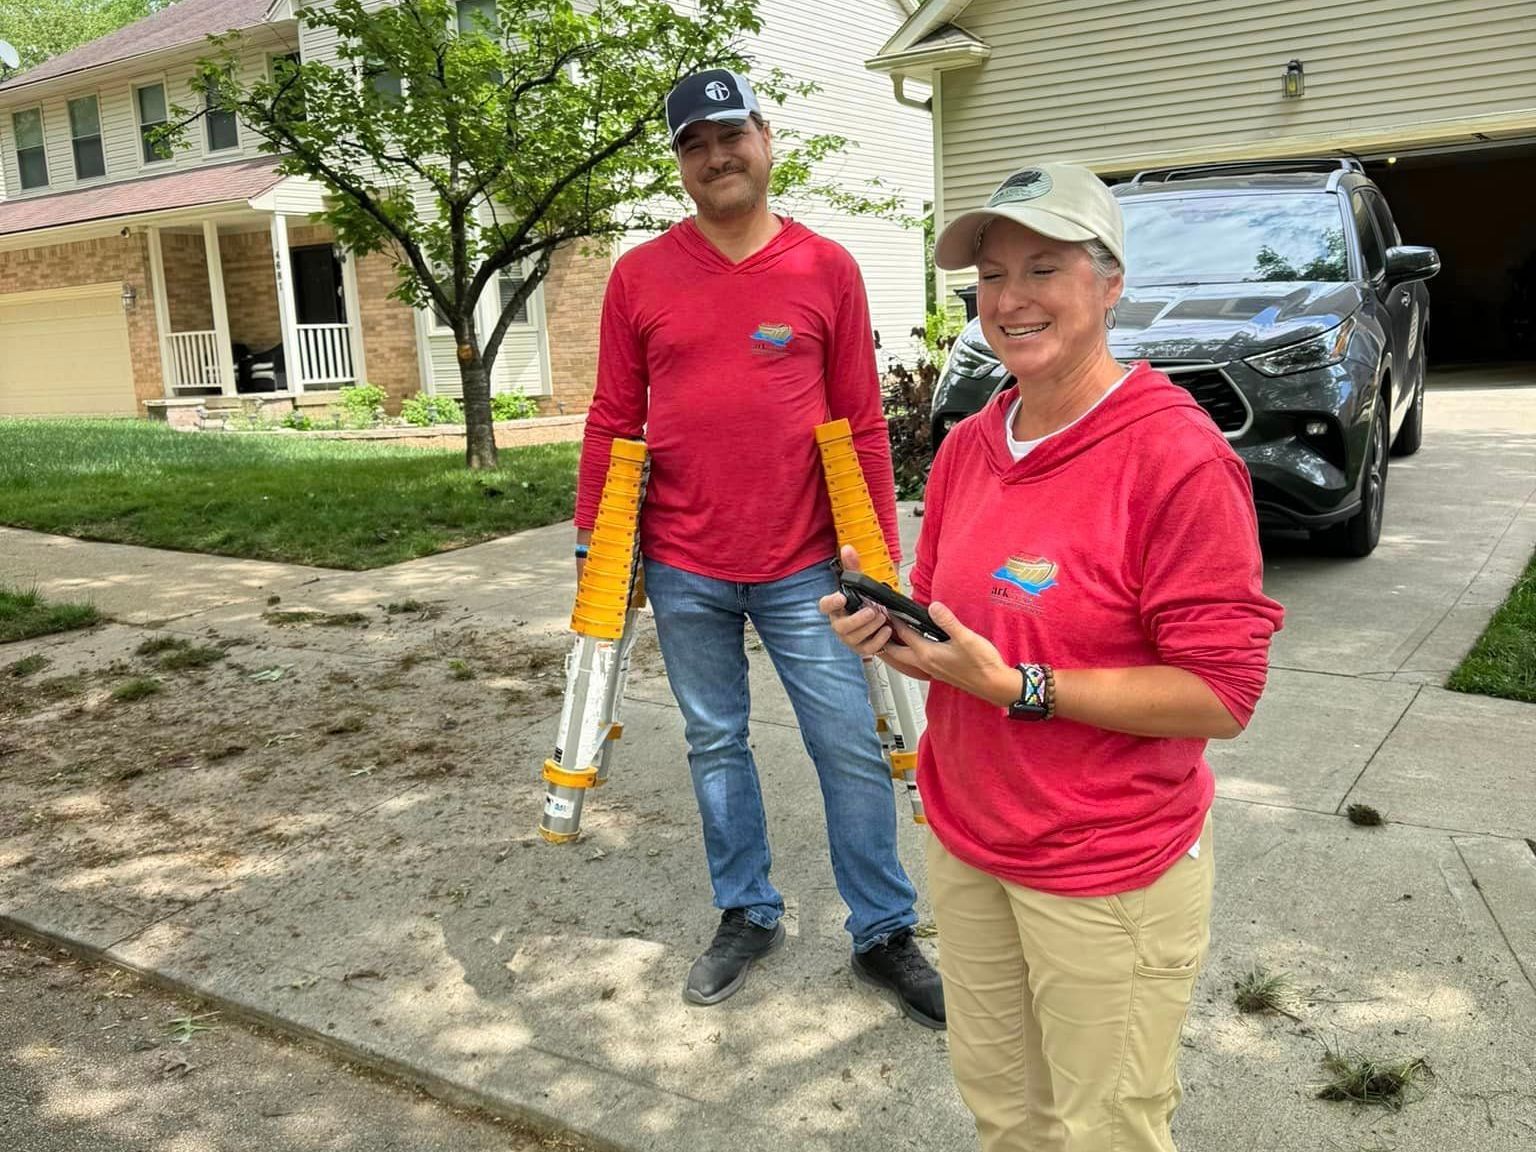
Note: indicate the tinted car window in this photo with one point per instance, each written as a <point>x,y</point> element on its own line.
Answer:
<point>1234,239</point>
<point>1390,236</point>
<point>1372,254</point>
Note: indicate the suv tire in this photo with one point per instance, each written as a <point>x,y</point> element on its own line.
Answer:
<point>1411,434</point>
<point>1359,535</point>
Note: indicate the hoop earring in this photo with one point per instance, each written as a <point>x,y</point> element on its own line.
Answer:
<point>1109,318</point>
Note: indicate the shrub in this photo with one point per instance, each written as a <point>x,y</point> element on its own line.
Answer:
<point>423,410</point>
<point>939,332</point>
<point>361,405</point>
<point>513,406</point>
<point>298,421</point>
<point>908,398</point>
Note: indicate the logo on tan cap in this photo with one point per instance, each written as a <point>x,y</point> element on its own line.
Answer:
<point>1029,184</point>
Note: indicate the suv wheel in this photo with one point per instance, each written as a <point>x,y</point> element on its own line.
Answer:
<point>1411,434</point>
<point>1359,535</point>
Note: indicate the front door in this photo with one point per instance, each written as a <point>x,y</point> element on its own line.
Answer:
<point>318,297</point>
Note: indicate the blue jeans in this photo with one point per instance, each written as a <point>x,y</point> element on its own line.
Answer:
<point>701,624</point>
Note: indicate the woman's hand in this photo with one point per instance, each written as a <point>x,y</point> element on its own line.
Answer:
<point>869,630</point>
<point>967,661</point>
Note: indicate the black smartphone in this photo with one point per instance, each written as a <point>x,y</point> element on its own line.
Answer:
<point>857,588</point>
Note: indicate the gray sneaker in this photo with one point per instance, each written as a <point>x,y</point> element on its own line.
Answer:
<point>723,968</point>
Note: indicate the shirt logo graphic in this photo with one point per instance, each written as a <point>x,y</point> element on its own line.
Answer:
<point>716,90</point>
<point>1033,574</point>
<point>772,337</point>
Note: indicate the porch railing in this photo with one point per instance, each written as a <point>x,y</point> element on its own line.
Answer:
<point>325,354</point>
<point>195,359</point>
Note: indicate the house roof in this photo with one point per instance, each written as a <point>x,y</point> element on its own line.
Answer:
<point>216,184</point>
<point>946,36</point>
<point>931,15</point>
<point>182,23</point>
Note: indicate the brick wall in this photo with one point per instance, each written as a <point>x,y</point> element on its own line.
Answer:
<point>116,259</point>
<point>250,289</point>
<point>186,282</point>
<point>573,305</point>
<point>389,330</point>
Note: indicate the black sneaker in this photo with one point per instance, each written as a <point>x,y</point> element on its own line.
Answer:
<point>723,968</point>
<point>899,966</point>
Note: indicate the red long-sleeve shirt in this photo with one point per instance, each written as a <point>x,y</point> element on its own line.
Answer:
<point>725,370</point>
<point>1124,540</point>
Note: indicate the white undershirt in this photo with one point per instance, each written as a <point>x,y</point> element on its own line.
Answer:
<point>1022,448</point>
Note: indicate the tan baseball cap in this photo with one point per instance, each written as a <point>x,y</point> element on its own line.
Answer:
<point>1062,201</point>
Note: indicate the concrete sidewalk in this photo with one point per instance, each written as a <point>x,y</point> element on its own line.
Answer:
<point>419,923</point>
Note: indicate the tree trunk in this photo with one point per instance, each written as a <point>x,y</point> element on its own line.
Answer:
<point>479,433</point>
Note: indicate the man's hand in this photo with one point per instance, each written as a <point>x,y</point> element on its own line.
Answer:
<point>583,538</point>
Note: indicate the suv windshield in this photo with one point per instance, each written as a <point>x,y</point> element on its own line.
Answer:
<point>1234,239</point>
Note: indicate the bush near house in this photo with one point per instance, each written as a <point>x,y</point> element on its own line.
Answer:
<point>423,410</point>
<point>513,406</point>
<point>330,503</point>
<point>907,396</point>
<point>361,405</point>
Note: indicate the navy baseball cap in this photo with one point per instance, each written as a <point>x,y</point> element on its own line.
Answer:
<point>714,94</point>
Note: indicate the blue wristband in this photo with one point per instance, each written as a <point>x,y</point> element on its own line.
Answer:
<point>581,551</point>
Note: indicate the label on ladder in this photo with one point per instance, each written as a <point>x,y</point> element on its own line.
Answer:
<point>557,809</point>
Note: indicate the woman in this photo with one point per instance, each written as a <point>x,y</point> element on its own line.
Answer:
<point>1089,544</point>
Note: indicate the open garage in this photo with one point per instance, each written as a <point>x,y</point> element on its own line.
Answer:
<point>1474,205</point>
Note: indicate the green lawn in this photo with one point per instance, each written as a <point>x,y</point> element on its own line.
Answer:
<point>24,615</point>
<point>1503,662</point>
<point>336,504</point>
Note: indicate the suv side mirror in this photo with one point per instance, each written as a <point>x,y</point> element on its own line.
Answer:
<point>1407,263</point>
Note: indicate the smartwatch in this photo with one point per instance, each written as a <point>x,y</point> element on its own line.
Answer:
<point>1037,697</point>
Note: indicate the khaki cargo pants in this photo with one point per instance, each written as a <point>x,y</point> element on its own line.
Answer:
<point>1065,1012</point>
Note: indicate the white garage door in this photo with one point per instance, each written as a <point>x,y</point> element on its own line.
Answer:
<point>65,352</point>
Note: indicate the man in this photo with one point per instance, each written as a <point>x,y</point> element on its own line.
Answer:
<point>726,341</point>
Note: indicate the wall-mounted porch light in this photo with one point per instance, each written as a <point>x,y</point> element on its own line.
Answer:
<point>130,297</point>
<point>1294,83</point>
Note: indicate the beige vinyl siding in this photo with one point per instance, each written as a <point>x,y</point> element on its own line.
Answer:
<point>828,44</point>
<point>119,125</point>
<point>1120,84</point>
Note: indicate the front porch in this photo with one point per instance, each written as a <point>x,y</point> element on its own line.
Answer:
<point>254,304</point>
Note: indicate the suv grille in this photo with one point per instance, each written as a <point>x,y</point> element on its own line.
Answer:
<point>1213,391</point>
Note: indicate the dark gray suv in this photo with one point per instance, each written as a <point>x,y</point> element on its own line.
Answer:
<point>1282,297</point>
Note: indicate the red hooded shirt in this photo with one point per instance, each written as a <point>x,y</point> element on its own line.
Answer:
<point>1127,539</point>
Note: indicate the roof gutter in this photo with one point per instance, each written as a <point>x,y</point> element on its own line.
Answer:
<point>920,63</point>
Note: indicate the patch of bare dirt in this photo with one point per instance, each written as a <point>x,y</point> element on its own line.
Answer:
<point>164,798</point>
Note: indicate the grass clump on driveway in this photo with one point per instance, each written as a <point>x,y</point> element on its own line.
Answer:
<point>330,503</point>
<point>1503,661</point>
<point>24,615</point>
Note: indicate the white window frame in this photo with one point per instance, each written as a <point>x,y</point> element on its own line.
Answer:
<point>528,321</point>
<point>139,125</point>
<point>42,122</point>
<point>101,132</point>
<point>208,149</point>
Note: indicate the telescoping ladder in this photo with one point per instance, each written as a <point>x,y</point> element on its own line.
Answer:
<point>609,597</point>
<point>897,700</point>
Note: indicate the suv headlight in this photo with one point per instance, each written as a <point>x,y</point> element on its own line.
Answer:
<point>964,360</point>
<point>1319,351</point>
